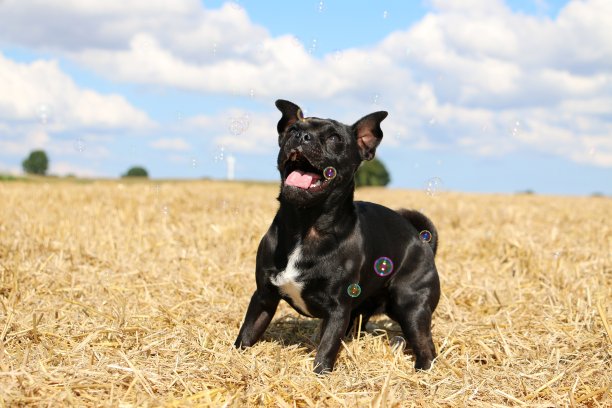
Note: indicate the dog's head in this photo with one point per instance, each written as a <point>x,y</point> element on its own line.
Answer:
<point>320,156</point>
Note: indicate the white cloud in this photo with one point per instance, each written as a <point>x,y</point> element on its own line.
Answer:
<point>176,144</point>
<point>461,77</point>
<point>39,92</point>
<point>237,130</point>
<point>8,169</point>
<point>21,141</point>
<point>63,168</point>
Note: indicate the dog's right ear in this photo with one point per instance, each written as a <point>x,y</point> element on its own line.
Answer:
<point>291,114</point>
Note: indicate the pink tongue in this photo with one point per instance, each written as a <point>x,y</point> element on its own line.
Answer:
<point>301,180</point>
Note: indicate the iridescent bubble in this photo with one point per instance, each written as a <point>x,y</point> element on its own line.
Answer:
<point>329,173</point>
<point>516,128</point>
<point>321,6</point>
<point>219,154</point>
<point>79,145</point>
<point>385,14</point>
<point>383,266</point>
<point>238,126</point>
<point>354,290</point>
<point>43,113</point>
<point>425,236</point>
<point>375,99</point>
<point>164,210</point>
<point>194,162</point>
<point>433,186</point>
<point>296,41</point>
<point>398,344</point>
<point>251,93</point>
<point>313,46</point>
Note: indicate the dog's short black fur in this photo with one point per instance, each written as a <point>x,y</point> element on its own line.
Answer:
<point>321,241</point>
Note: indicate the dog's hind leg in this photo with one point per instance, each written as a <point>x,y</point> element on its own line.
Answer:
<point>412,306</point>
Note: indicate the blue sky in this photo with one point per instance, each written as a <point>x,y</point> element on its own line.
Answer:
<point>486,95</point>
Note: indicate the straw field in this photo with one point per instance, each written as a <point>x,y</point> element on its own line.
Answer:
<point>121,293</point>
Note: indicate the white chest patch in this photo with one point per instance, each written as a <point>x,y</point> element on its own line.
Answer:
<point>287,282</point>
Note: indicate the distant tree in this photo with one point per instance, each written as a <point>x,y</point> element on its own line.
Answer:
<point>372,173</point>
<point>136,171</point>
<point>36,163</point>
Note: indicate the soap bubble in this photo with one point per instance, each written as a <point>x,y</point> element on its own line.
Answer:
<point>385,14</point>
<point>321,6</point>
<point>329,173</point>
<point>425,236</point>
<point>79,145</point>
<point>354,290</point>
<point>433,186</point>
<point>516,128</point>
<point>194,162</point>
<point>383,266</point>
<point>296,41</point>
<point>43,112</point>
<point>313,46</point>
<point>398,344</point>
<point>219,154</point>
<point>238,125</point>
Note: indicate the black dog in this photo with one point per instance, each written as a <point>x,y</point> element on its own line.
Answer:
<point>336,259</point>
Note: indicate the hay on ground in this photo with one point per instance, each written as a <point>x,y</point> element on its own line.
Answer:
<point>132,293</point>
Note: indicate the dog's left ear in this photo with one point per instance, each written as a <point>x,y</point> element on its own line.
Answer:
<point>291,114</point>
<point>369,134</point>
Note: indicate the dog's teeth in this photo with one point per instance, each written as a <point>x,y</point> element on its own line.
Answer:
<point>317,184</point>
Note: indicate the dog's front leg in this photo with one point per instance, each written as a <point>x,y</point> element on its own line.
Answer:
<point>258,316</point>
<point>333,329</point>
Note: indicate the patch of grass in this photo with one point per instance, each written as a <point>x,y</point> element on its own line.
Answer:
<point>117,293</point>
<point>8,177</point>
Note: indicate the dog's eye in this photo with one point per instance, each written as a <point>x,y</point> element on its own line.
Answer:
<point>333,139</point>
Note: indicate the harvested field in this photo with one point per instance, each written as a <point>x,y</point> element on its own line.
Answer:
<point>132,293</point>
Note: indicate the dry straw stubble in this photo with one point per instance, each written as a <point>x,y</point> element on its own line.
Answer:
<point>132,293</point>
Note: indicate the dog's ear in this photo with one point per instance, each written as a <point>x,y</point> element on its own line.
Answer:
<point>369,134</point>
<point>291,114</point>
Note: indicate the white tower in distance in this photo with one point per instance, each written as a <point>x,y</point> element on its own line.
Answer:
<point>231,164</point>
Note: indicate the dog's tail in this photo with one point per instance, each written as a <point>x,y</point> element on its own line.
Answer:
<point>422,223</point>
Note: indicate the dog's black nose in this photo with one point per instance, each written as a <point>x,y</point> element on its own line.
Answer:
<point>303,137</point>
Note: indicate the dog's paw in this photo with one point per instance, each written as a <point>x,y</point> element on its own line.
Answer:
<point>423,364</point>
<point>323,369</point>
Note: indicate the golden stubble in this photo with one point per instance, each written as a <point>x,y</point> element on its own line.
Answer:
<point>131,293</point>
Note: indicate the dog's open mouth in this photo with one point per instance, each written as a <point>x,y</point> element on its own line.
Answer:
<point>300,173</point>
